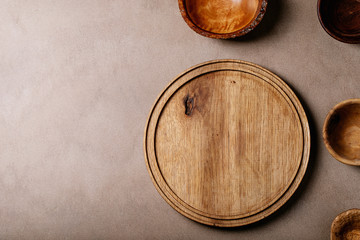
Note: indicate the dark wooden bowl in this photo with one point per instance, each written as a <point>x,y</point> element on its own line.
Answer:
<point>341,132</point>
<point>346,226</point>
<point>222,18</point>
<point>340,19</point>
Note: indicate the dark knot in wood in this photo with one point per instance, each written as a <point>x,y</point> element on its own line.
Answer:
<point>189,105</point>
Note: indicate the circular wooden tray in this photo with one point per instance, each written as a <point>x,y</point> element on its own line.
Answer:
<point>227,143</point>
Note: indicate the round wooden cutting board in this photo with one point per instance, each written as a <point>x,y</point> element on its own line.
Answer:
<point>227,143</point>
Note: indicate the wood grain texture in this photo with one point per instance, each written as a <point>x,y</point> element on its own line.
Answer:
<point>346,226</point>
<point>222,18</point>
<point>227,143</point>
<point>341,132</point>
<point>340,19</point>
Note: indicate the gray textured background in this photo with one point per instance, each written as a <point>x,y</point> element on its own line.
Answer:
<point>78,79</point>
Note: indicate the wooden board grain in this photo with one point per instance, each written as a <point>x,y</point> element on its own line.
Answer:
<point>227,143</point>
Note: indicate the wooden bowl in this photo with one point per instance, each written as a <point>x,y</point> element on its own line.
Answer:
<point>222,18</point>
<point>340,19</point>
<point>341,132</point>
<point>346,225</point>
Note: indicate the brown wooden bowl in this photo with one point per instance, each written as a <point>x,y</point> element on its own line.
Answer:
<point>341,132</point>
<point>222,18</point>
<point>346,225</point>
<point>340,19</point>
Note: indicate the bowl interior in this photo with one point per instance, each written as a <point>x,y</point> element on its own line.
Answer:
<point>222,16</point>
<point>346,226</point>
<point>341,19</point>
<point>342,132</point>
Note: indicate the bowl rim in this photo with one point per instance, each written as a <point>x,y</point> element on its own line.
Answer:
<point>326,136</point>
<point>339,217</point>
<point>345,39</point>
<point>260,12</point>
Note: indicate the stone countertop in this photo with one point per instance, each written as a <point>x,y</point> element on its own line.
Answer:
<point>78,79</point>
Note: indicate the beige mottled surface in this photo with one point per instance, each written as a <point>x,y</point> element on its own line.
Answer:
<point>78,79</point>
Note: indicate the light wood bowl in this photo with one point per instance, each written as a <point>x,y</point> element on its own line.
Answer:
<point>222,18</point>
<point>341,132</point>
<point>346,226</point>
<point>340,19</point>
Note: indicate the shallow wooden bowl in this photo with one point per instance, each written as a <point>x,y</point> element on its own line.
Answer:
<point>222,18</point>
<point>340,19</point>
<point>346,226</point>
<point>341,132</point>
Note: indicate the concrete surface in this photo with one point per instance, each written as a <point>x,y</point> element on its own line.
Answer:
<point>78,79</point>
